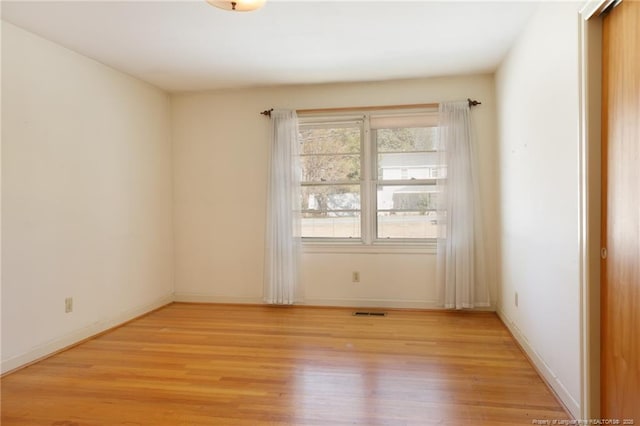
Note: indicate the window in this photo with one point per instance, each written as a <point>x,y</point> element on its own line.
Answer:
<point>407,168</point>
<point>370,178</point>
<point>331,161</point>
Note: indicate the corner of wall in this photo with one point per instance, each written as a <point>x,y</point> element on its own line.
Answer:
<point>76,337</point>
<point>538,198</point>
<point>543,369</point>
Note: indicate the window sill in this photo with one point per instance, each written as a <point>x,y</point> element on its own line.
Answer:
<point>333,247</point>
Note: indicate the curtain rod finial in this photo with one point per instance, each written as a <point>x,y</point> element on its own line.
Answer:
<point>267,112</point>
<point>473,102</point>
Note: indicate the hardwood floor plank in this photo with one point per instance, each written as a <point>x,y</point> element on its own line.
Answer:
<point>190,364</point>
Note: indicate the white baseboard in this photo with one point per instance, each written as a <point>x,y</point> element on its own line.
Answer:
<point>351,303</point>
<point>207,298</point>
<point>547,374</point>
<point>373,303</point>
<point>74,337</point>
<point>359,303</point>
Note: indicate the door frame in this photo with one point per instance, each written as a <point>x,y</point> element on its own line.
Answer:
<point>590,99</point>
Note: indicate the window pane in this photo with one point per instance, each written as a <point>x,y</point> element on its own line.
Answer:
<point>420,198</point>
<point>406,211</point>
<point>330,199</point>
<point>331,211</point>
<point>330,168</point>
<point>322,225</point>
<point>407,224</point>
<point>333,139</point>
<point>407,139</point>
<point>408,165</point>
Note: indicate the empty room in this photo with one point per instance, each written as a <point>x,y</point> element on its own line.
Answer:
<point>268,212</point>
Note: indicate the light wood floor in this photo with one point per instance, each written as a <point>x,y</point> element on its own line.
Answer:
<point>189,364</point>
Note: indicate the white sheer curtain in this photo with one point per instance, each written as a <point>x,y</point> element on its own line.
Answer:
<point>283,213</point>
<point>461,270</point>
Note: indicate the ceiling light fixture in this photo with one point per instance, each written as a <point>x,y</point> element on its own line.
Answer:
<point>237,5</point>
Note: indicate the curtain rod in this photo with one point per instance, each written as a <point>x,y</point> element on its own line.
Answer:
<point>368,108</point>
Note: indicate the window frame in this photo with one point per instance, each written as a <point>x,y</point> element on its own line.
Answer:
<point>369,242</point>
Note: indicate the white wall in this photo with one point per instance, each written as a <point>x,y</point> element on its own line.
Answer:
<point>537,96</point>
<point>220,172</point>
<point>86,197</point>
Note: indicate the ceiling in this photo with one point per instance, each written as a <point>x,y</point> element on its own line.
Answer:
<point>190,45</point>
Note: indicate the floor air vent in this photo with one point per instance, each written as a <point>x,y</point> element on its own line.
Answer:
<point>369,314</point>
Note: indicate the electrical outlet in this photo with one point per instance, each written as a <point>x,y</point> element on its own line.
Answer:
<point>355,277</point>
<point>516,299</point>
<point>68,305</point>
